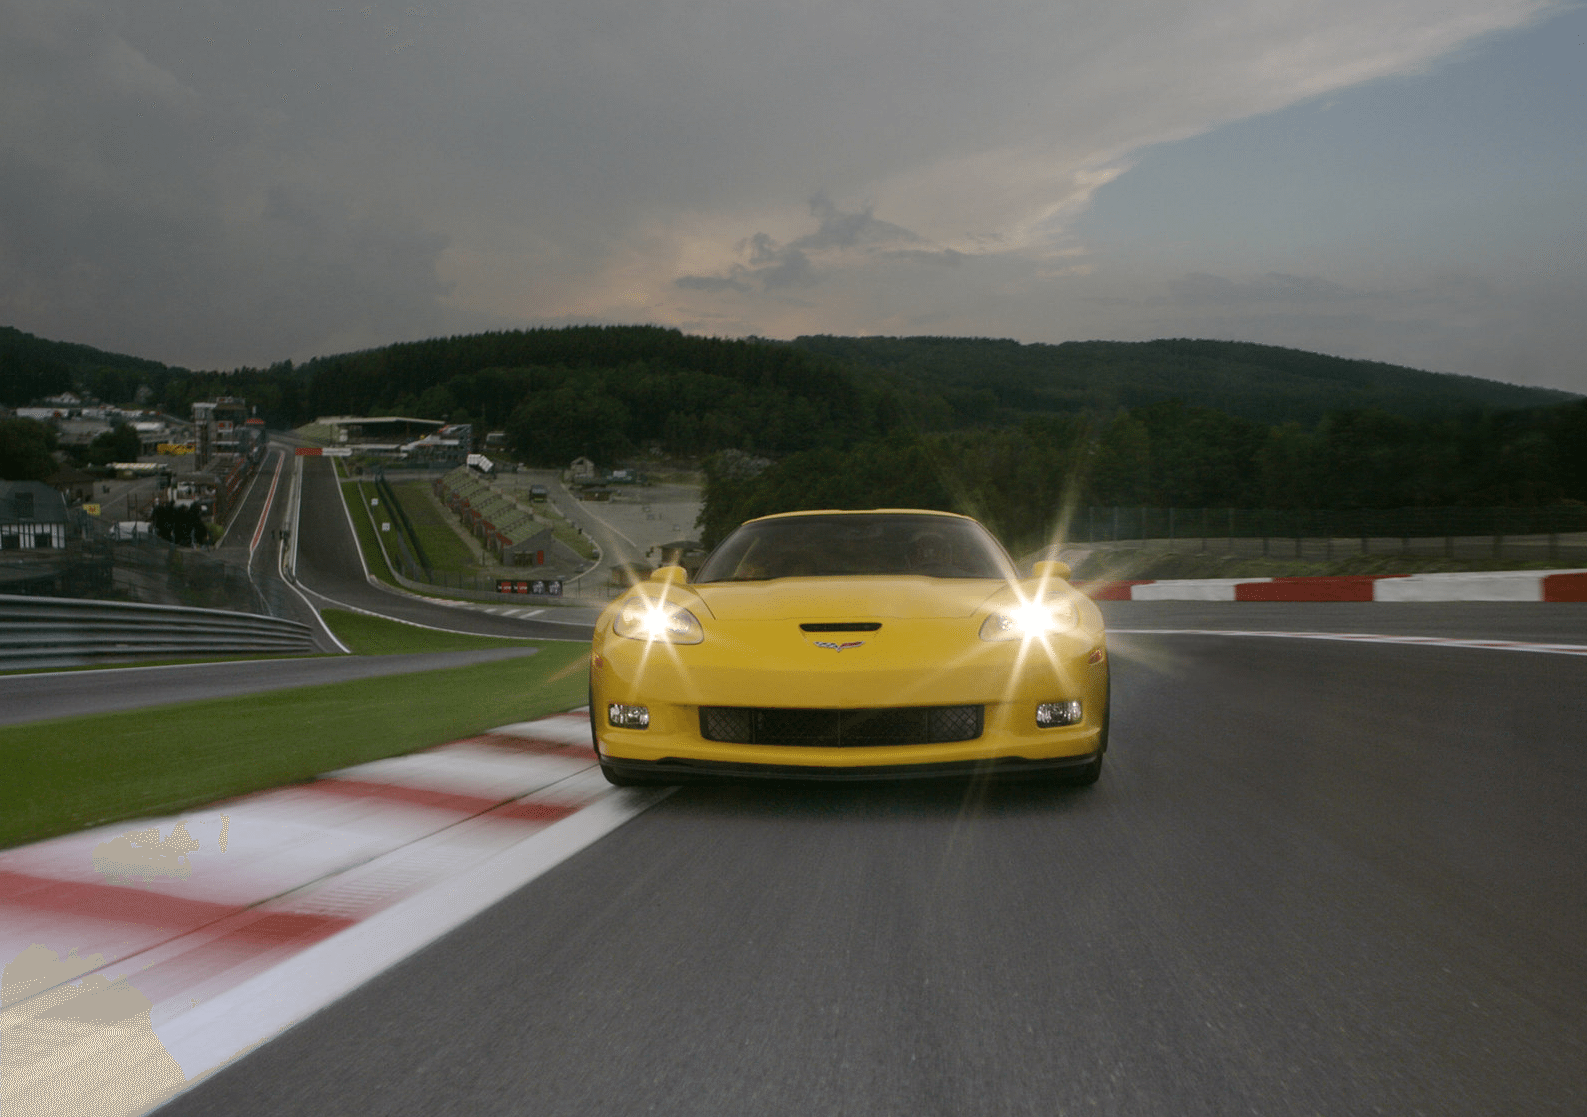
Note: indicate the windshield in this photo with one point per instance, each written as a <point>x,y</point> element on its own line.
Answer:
<point>864,543</point>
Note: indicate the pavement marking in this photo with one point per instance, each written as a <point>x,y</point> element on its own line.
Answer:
<point>239,1020</point>
<point>1368,638</point>
<point>221,950</point>
<point>264,513</point>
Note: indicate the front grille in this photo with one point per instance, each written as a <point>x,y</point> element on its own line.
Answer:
<point>902,725</point>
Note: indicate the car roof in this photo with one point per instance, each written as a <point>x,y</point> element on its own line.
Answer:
<point>862,512</point>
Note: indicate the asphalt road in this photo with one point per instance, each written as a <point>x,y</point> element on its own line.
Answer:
<point>328,566</point>
<point>1316,878</point>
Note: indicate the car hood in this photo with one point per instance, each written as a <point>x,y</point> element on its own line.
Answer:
<point>839,599</point>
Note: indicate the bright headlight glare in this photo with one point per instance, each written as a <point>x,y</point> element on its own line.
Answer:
<point>1030,619</point>
<point>650,621</point>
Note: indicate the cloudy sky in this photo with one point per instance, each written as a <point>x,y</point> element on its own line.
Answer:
<point>212,183</point>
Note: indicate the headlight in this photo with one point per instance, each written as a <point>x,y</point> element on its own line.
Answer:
<point>1030,619</point>
<point>648,620</point>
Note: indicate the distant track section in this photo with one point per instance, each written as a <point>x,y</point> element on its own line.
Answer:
<point>330,568</point>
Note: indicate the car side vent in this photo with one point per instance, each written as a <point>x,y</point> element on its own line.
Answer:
<point>842,626</point>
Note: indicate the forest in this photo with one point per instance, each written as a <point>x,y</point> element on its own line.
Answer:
<point>1009,432</point>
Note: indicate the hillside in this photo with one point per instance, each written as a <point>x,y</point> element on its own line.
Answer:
<point>33,367</point>
<point>997,381</point>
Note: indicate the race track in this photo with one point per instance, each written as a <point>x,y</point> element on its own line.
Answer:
<point>1316,878</point>
<point>328,567</point>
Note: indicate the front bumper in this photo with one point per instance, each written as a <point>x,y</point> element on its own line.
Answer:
<point>673,683</point>
<point>676,770</point>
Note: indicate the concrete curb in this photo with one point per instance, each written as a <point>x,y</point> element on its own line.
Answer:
<point>161,949</point>
<point>1497,585</point>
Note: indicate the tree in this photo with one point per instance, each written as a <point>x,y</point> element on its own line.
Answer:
<point>25,446</point>
<point>120,444</point>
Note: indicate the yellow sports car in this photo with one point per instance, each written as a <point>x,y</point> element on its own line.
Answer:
<point>850,645</point>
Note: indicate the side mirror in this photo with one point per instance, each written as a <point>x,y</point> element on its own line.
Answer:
<point>1049,570</point>
<point>669,575</point>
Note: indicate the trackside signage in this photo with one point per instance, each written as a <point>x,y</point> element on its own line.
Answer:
<point>539,586</point>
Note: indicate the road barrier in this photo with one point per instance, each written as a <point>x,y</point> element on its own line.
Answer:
<point>68,632</point>
<point>1555,533</point>
<point>409,535</point>
<point>1496,585</point>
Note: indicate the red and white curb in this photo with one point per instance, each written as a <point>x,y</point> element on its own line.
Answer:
<point>1501,585</point>
<point>1367,638</point>
<point>176,944</point>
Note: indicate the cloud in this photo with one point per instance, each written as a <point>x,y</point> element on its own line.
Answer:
<point>838,238</point>
<point>221,184</point>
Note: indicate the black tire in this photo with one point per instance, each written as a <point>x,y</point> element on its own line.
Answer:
<point>1092,772</point>
<point>1088,775</point>
<point>617,780</point>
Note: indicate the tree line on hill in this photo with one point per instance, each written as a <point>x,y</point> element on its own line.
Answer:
<point>1021,479</point>
<point>1009,432</point>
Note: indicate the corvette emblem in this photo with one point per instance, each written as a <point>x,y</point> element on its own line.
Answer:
<point>838,647</point>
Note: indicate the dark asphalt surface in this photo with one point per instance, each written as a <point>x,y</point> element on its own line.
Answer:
<point>329,566</point>
<point>239,536</point>
<point>1316,879</point>
<point>59,694</point>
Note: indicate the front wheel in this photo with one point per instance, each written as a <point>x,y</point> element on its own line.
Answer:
<point>1093,771</point>
<point>618,780</point>
<point>1088,775</point>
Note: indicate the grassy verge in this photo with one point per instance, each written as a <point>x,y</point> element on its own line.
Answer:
<point>368,532</point>
<point>443,547</point>
<point>72,773</point>
<point>565,531</point>
<point>367,635</point>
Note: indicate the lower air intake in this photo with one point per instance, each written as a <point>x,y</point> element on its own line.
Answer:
<point>902,725</point>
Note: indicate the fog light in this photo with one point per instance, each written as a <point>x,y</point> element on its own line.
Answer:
<point>628,717</point>
<point>1051,714</point>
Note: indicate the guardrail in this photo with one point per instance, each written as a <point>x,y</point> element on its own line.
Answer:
<point>69,632</point>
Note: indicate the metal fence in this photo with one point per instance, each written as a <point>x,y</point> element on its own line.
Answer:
<point>101,563</point>
<point>1552,534</point>
<point>62,632</point>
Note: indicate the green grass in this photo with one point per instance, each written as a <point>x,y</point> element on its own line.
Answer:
<point>367,635</point>
<point>72,773</point>
<point>367,531</point>
<point>565,531</point>
<point>319,433</point>
<point>442,546</point>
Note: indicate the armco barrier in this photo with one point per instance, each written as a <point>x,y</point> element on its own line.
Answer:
<point>67,632</point>
<point>1498,585</point>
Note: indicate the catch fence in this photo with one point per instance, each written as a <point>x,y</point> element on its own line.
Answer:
<point>1552,534</point>
<point>102,562</point>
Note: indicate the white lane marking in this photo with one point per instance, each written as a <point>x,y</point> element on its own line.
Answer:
<point>239,1020</point>
<point>464,769</point>
<point>283,563</point>
<point>1367,637</point>
<point>437,628</point>
<point>563,729</point>
<point>264,514</point>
